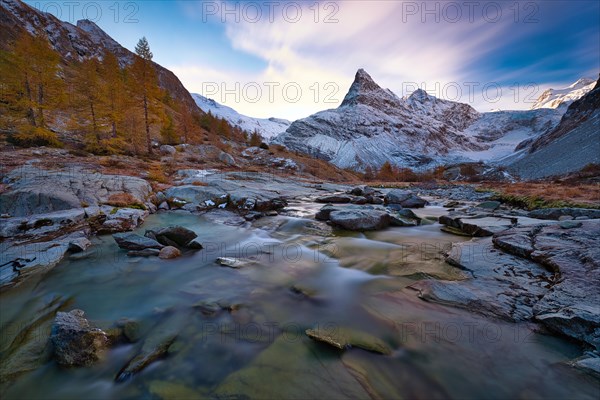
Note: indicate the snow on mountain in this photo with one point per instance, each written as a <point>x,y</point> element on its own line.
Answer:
<point>555,98</point>
<point>570,146</point>
<point>419,131</point>
<point>502,132</point>
<point>373,125</point>
<point>266,127</point>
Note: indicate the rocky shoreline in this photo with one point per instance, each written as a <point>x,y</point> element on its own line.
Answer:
<point>541,266</point>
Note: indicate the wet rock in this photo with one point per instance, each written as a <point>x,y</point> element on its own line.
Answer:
<point>154,348</point>
<point>79,245</point>
<point>571,306</point>
<point>143,253</point>
<point>359,200</point>
<point>20,261</point>
<point>132,241</point>
<point>177,236</point>
<point>566,218</point>
<point>75,341</point>
<point>374,200</point>
<point>404,217</point>
<point>589,363</point>
<point>360,220</point>
<point>232,262</point>
<point>194,244</point>
<point>362,190</point>
<point>343,338</point>
<point>334,198</point>
<point>312,375</point>
<point>131,329</point>
<point>25,345</point>
<point>169,252</point>
<point>157,342</point>
<point>497,284</point>
<point>452,204</point>
<point>489,205</point>
<point>163,206</point>
<point>556,213</point>
<point>568,224</point>
<point>477,226</point>
<point>405,198</point>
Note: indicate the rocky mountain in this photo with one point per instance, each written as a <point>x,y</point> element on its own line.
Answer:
<point>373,125</point>
<point>573,144</point>
<point>76,42</point>
<point>420,131</point>
<point>268,128</point>
<point>555,98</point>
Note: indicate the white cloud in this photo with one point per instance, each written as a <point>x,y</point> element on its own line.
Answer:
<point>395,48</point>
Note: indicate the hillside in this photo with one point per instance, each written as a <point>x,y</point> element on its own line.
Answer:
<point>268,128</point>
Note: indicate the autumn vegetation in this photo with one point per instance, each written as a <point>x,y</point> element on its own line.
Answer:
<point>106,106</point>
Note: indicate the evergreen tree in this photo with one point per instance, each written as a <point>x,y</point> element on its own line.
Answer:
<point>146,78</point>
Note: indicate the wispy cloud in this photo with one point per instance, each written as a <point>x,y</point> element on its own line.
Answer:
<point>400,46</point>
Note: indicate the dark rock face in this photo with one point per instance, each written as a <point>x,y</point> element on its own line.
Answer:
<point>75,342</point>
<point>571,305</point>
<point>405,198</point>
<point>177,236</point>
<point>500,285</point>
<point>546,273</point>
<point>131,241</point>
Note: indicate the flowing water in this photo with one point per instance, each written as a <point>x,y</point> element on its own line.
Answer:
<point>295,279</point>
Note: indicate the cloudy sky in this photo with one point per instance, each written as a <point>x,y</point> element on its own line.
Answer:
<point>292,58</point>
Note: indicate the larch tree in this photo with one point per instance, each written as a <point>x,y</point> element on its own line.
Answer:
<point>255,139</point>
<point>115,92</point>
<point>167,131</point>
<point>186,123</point>
<point>89,88</point>
<point>31,86</point>
<point>36,83</point>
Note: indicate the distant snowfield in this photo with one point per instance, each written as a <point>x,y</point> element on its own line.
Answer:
<point>555,98</point>
<point>268,128</point>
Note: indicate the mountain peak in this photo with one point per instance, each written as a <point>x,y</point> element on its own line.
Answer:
<point>419,95</point>
<point>364,90</point>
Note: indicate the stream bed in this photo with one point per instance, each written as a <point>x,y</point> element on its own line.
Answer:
<point>241,331</point>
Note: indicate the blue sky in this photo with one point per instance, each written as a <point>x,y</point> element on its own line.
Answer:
<point>296,58</point>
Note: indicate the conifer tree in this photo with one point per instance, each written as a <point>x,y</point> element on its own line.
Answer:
<point>147,82</point>
<point>167,132</point>
<point>115,92</point>
<point>255,139</point>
